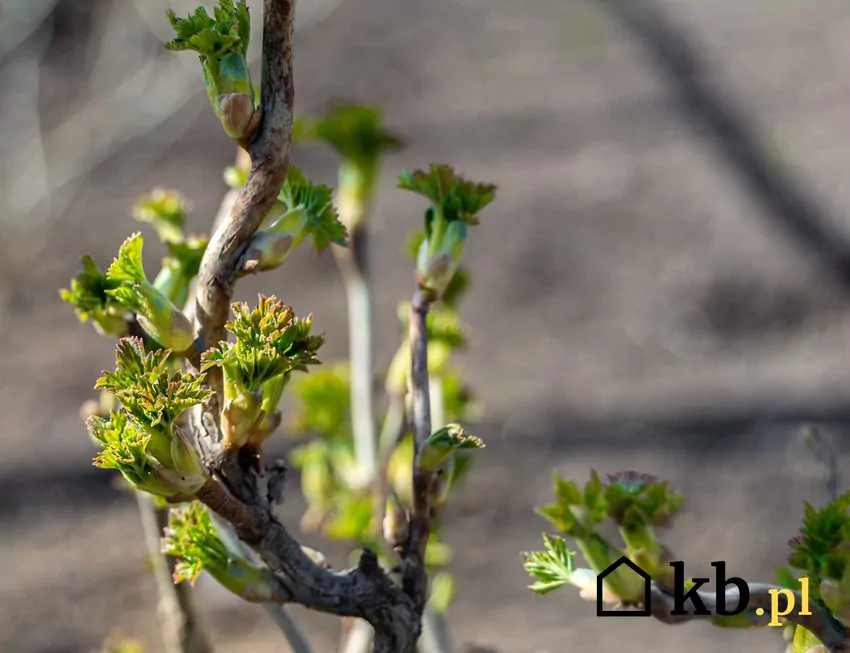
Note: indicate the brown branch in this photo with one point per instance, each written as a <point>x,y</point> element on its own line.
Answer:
<point>819,622</point>
<point>414,577</point>
<point>269,151</point>
<point>233,492</point>
<point>364,591</point>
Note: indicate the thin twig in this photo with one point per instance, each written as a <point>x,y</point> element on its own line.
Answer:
<point>269,153</point>
<point>435,631</point>
<point>181,624</point>
<point>414,577</point>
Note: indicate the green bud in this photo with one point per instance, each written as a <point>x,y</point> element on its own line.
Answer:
<point>157,315</point>
<point>585,580</point>
<point>441,443</point>
<point>221,42</point>
<point>184,455</point>
<point>627,585</point>
<point>237,115</point>
<point>438,273</point>
<point>165,323</point>
<point>239,417</point>
<point>268,250</point>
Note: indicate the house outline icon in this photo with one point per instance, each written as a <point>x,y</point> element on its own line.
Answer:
<point>644,612</point>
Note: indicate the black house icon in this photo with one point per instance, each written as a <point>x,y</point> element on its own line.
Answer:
<point>645,611</point>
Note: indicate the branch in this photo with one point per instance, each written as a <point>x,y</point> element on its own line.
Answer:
<point>269,151</point>
<point>364,591</point>
<point>820,622</point>
<point>414,577</point>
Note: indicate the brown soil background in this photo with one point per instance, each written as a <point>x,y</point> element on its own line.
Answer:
<point>633,307</point>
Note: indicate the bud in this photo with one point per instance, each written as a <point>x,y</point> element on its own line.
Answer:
<point>168,325</point>
<point>267,251</point>
<point>623,581</point>
<point>585,580</point>
<point>238,418</point>
<point>237,115</point>
<point>438,491</point>
<point>179,482</point>
<point>172,283</point>
<point>184,455</point>
<point>395,526</point>
<point>440,444</point>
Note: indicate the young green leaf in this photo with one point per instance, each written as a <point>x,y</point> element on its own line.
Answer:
<point>451,195</point>
<point>221,42</point>
<point>454,205</point>
<point>89,296</point>
<point>552,568</point>
<point>355,131</point>
<point>192,538</point>
<point>270,340</point>
<point>155,312</point>
<point>442,442</point>
<point>148,390</point>
<point>309,211</point>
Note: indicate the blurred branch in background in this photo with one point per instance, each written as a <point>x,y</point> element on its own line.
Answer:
<point>797,211</point>
<point>44,167</point>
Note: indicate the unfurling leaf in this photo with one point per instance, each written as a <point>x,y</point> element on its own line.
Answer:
<point>155,312</point>
<point>441,443</point>
<point>552,568</point>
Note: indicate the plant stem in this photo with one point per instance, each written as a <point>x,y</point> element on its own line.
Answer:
<point>435,632</point>
<point>414,575</point>
<point>290,628</point>
<point>180,620</point>
<point>352,262</point>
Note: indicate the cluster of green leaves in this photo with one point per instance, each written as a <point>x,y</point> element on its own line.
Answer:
<point>271,343</point>
<point>192,538</point>
<point>221,42</point>
<point>155,312</point>
<point>358,136</point>
<point>88,294</point>
<point>302,209</point>
<point>454,204</point>
<point>637,503</point>
<point>109,298</point>
<point>144,441</point>
<point>821,552</point>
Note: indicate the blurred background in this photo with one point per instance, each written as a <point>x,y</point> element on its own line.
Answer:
<point>661,285</point>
